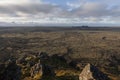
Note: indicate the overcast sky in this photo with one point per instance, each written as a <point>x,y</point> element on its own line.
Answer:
<point>100,12</point>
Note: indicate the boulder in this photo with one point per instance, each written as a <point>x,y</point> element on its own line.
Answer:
<point>90,72</point>
<point>39,71</point>
<point>36,71</point>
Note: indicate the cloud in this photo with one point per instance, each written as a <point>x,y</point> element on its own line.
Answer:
<point>80,11</point>
<point>30,9</point>
<point>92,9</point>
<point>6,2</point>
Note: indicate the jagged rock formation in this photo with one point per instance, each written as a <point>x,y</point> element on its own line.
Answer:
<point>39,70</point>
<point>90,72</point>
<point>36,71</point>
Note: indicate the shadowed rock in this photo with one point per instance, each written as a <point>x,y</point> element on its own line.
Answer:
<point>36,71</point>
<point>42,55</point>
<point>10,71</point>
<point>39,71</point>
<point>90,72</point>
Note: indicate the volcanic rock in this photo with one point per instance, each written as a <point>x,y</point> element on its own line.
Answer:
<point>90,72</point>
<point>10,71</point>
<point>36,71</point>
<point>39,71</point>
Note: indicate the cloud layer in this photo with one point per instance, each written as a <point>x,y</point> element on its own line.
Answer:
<point>79,11</point>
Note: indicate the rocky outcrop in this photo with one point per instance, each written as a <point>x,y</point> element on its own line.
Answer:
<point>38,71</point>
<point>90,72</point>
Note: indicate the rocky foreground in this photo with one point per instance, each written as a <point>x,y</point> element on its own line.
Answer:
<point>36,68</point>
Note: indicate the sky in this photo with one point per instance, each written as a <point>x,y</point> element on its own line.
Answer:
<point>65,12</point>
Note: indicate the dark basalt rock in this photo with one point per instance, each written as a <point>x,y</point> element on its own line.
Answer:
<point>39,71</point>
<point>42,55</point>
<point>36,70</point>
<point>90,72</point>
<point>10,71</point>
